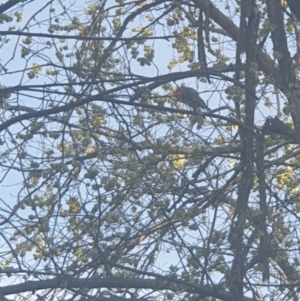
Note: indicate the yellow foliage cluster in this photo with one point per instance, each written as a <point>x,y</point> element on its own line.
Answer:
<point>178,160</point>
<point>285,177</point>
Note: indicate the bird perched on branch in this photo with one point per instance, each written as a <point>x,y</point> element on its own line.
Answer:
<point>190,97</point>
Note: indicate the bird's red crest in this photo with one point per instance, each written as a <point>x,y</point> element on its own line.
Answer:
<point>178,94</point>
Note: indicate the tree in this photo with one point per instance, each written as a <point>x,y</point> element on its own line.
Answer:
<point>109,190</point>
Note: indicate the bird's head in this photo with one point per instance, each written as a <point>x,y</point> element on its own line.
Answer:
<point>178,94</point>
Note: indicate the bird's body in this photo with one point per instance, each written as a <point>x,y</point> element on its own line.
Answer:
<point>190,97</point>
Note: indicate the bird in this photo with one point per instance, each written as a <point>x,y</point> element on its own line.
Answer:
<point>190,97</point>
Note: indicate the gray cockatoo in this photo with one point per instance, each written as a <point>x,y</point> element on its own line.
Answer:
<point>190,97</point>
